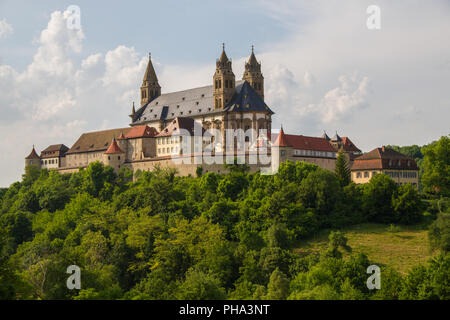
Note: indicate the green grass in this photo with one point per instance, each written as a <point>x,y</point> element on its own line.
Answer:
<point>401,248</point>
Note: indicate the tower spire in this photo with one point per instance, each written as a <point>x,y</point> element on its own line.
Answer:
<point>150,88</point>
<point>223,81</point>
<point>253,75</point>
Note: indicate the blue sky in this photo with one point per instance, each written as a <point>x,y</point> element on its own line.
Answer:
<point>175,31</point>
<point>323,69</point>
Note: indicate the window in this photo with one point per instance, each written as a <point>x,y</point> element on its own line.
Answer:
<point>358,174</point>
<point>283,153</point>
<point>366,174</point>
<point>118,158</point>
<point>373,173</point>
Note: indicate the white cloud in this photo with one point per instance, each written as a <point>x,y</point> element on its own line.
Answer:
<point>55,99</point>
<point>5,29</point>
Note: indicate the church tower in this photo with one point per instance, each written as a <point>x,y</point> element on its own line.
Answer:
<point>223,81</point>
<point>253,75</point>
<point>150,88</point>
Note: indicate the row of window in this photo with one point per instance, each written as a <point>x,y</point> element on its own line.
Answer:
<point>169,140</point>
<point>51,161</point>
<point>313,153</point>
<point>404,174</point>
<point>392,174</point>
<point>168,150</point>
<point>228,84</point>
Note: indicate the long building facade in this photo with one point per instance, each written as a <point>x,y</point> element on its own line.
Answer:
<point>224,120</point>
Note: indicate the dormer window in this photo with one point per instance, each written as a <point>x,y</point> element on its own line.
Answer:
<point>178,106</point>
<point>203,95</point>
<point>183,98</point>
<point>156,103</point>
<point>196,103</point>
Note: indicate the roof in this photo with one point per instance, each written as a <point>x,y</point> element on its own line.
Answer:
<point>348,145</point>
<point>336,138</point>
<point>96,141</point>
<point>246,99</point>
<point>197,102</point>
<point>33,155</point>
<point>113,148</point>
<point>301,142</point>
<point>55,150</point>
<point>179,126</point>
<point>281,140</point>
<point>384,158</point>
<point>150,74</point>
<point>141,132</point>
<point>325,136</point>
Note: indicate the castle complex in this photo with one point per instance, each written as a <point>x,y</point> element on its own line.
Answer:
<point>225,120</point>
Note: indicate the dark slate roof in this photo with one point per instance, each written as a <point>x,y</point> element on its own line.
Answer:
<point>197,102</point>
<point>246,99</point>
<point>55,150</point>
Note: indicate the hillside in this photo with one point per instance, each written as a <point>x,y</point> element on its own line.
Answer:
<point>401,249</point>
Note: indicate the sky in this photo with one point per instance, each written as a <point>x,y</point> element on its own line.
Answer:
<point>324,68</point>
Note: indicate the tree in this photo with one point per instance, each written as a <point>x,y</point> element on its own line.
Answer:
<point>200,286</point>
<point>407,205</point>
<point>342,169</point>
<point>436,166</point>
<point>278,287</point>
<point>377,196</point>
<point>439,233</point>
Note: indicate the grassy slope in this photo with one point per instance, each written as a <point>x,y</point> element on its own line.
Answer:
<point>401,250</point>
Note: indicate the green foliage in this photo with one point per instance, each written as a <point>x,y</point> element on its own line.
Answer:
<point>436,166</point>
<point>278,287</point>
<point>378,195</point>
<point>215,236</point>
<point>342,169</point>
<point>439,233</point>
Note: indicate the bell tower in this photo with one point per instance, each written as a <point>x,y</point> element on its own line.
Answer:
<point>150,88</point>
<point>223,81</point>
<point>253,75</point>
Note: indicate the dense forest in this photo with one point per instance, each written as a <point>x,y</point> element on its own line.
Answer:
<point>156,235</point>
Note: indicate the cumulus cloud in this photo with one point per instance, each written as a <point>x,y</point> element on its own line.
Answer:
<point>55,99</point>
<point>5,29</point>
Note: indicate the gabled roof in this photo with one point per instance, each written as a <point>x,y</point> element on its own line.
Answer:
<point>113,148</point>
<point>96,141</point>
<point>33,155</point>
<point>383,153</point>
<point>141,132</point>
<point>55,150</point>
<point>246,99</point>
<point>179,126</point>
<point>281,140</point>
<point>384,158</point>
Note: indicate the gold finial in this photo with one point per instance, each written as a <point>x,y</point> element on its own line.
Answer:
<point>223,46</point>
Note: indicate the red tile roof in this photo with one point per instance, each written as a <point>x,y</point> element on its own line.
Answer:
<point>33,155</point>
<point>384,158</point>
<point>309,143</point>
<point>281,140</point>
<point>141,132</point>
<point>113,148</point>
